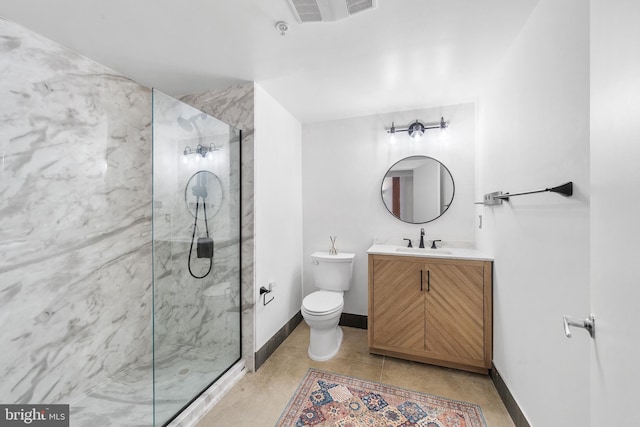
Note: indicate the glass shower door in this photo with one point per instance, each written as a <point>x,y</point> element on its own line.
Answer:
<point>196,253</point>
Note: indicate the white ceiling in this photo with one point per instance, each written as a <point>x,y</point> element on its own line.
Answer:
<point>406,54</point>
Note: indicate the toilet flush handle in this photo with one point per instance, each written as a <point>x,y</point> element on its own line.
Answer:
<point>315,262</point>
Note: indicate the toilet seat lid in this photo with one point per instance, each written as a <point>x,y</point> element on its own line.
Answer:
<point>323,302</point>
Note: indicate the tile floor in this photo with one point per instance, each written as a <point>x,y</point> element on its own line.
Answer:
<point>259,398</point>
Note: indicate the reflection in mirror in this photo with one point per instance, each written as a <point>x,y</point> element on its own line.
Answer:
<point>417,189</point>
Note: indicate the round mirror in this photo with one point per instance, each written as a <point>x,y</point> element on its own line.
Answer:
<point>417,189</point>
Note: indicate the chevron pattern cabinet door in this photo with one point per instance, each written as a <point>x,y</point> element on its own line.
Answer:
<point>432,310</point>
<point>398,305</point>
<point>455,311</point>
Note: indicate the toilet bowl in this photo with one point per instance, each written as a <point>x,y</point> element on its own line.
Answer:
<point>322,309</point>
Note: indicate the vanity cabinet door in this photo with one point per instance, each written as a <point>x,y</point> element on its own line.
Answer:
<point>397,305</point>
<point>444,319</point>
<point>455,312</point>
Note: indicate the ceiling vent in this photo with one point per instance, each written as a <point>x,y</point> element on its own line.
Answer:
<point>328,10</point>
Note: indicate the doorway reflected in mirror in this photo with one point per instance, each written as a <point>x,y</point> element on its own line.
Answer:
<point>417,189</point>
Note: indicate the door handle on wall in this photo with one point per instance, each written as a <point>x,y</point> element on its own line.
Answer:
<point>589,324</point>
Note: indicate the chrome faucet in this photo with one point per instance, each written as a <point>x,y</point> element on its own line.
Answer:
<point>421,238</point>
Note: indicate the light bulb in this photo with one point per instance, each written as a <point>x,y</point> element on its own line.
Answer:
<point>416,130</point>
<point>392,133</point>
<point>185,159</point>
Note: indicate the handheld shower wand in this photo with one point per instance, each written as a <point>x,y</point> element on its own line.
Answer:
<point>205,246</point>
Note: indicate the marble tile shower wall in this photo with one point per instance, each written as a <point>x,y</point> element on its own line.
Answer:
<point>235,106</point>
<point>196,314</point>
<point>201,314</point>
<point>75,212</point>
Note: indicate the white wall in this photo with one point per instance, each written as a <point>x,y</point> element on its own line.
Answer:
<point>278,215</point>
<point>534,133</point>
<point>344,162</point>
<point>615,229</point>
<point>427,206</point>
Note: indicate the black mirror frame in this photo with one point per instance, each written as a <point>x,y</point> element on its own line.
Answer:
<point>453,194</point>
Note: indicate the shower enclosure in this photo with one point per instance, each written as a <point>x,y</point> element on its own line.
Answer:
<point>196,253</point>
<point>112,198</point>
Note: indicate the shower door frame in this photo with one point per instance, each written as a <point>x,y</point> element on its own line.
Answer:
<point>204,390</point>
<point>239,284</point>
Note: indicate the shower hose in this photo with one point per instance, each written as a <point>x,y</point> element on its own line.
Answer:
<point>193,236</point>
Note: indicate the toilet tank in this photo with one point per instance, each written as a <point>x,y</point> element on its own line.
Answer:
<point>332,272</point>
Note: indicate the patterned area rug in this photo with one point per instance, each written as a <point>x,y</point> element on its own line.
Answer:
<point>325,399</point>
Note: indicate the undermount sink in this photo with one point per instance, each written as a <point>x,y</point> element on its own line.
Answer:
<point>424,251</point>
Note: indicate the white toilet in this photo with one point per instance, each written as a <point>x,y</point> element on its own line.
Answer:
<point>322,309</point>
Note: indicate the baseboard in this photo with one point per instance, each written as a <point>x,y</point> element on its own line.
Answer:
<point>267,350</point>
<point>353,320</point>
<point>512,406</point>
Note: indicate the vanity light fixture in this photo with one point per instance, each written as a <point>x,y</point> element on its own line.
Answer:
<point>415,129</point>
<point>190,125</point>
<point>200,149</point>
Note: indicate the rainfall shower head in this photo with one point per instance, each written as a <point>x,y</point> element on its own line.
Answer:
<point>188,124</point>
<point>185,124</point>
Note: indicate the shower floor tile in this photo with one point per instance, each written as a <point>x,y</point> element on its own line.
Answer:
<point>126,401</point>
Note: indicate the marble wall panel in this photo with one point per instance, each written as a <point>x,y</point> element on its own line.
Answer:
<point>195,312</point>
<point>75,224</point>
<point>235,106</point>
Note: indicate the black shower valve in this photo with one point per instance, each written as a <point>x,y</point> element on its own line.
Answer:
<point>205,247</point>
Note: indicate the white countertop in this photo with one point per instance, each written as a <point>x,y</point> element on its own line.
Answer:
<point>451,253</point>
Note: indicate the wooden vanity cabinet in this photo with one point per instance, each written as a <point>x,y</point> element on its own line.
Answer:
<point>431,310</point>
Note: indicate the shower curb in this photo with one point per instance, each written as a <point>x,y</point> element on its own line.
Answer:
<point>207,400</point>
